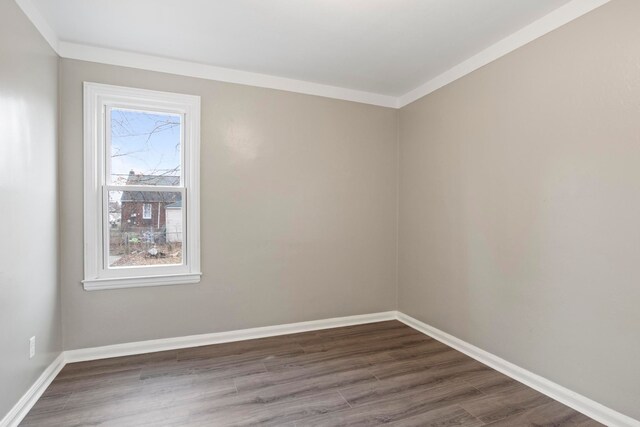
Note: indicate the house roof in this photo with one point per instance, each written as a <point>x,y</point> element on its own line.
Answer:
<point>168,197</point>
<point>140,179</point>
<point>151,196</point>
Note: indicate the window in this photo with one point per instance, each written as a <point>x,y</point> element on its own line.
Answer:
<point>146,211</point>
<point>141,187</point>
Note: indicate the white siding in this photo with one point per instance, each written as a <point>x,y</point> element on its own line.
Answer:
<point>174,224</point>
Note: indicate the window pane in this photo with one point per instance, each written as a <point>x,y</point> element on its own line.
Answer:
<point>146,211</point>
<point>145,228</point>
<point>145,147</point>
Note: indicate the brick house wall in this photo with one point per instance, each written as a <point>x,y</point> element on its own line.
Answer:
<point>132,216</point>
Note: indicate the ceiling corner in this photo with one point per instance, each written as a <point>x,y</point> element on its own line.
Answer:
<point>41,24</point>
<point>548,23</point>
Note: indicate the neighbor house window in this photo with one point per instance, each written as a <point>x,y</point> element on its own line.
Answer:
<point>141,187</point>
<point>146,211</point>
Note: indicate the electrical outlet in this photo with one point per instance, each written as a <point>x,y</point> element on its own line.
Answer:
<point>32,347</point>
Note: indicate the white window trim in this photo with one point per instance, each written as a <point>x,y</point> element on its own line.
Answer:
<point>96,276</point>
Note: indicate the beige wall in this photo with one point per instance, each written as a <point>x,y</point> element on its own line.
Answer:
<point>520,207</point>
<point>29,293</point>
<point>298,213</point>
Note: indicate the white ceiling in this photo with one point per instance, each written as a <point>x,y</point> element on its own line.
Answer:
<point>384,47</point>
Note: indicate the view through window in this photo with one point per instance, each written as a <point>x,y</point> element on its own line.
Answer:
<point>145,217</point>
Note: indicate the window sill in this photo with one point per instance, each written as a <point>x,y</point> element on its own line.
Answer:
<point>141,281</point>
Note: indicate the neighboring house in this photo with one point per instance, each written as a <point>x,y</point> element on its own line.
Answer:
<point>174,221</point>
<point>146,211</point>
<point>114,214</point>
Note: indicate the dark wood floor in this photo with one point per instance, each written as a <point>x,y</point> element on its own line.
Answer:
<point>381,373</point>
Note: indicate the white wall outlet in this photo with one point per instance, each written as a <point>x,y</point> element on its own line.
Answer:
<point>32,347</point>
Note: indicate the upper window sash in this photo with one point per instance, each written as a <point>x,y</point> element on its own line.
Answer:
<point>169,117</point>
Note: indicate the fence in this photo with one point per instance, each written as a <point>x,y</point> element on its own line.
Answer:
<point>142,239</point>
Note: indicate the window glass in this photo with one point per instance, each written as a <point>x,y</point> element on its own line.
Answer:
<point>146,211</point>
<point>134,240</point>
<point>145,148</point>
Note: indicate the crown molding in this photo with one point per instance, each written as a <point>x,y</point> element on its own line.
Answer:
<point>210,72</point>
<point>557,18</point>
<point>193,69</point>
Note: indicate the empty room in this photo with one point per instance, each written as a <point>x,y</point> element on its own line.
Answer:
<point>320,213</point>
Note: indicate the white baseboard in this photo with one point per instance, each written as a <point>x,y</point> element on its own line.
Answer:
<point>26,402</point>
<point>151,346</point>
<point>24,405</point>
<point>563,395</point>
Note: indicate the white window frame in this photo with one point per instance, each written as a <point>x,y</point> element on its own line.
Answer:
<point>98,99</point>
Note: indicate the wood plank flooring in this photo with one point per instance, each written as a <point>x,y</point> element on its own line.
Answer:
<point>367,375</point>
